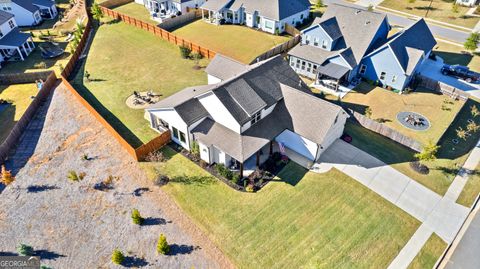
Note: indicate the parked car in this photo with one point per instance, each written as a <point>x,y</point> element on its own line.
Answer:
<point>461,72</point>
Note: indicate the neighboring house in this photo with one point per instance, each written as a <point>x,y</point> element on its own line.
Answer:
<point>334,45</point>
<point>222,68</point>
<point>48,10</point>
<point>159,8</point>
<point>14,45</point>
<point>267,15</point>
<point>469,3</point>
<point>395,63</point>
<point>26,13</point>
<point>240,121</point>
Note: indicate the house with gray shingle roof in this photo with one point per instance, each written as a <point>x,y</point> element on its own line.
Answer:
<point>395,63</point>
<point>266,15</point>
<point>334,45</point>
<point>25,12</point>
<point>14,45</point>
<point>243,119</point>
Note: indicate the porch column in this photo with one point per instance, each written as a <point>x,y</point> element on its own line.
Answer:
<point>20,52</point>
<point>271,148</point>
<point>203,16</point>
<point>51,14</point>
<point>25,49</point>
<point>257,159</point>
<point>241,170</point>
<point>28,45</point>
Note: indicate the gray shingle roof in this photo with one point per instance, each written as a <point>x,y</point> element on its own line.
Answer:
<point>26,4</point>
<point>245,96</point>
<point>272,9</point>
<point>311,53</point>
<point>298,111</point>
<point>224,68</point>
<point>191,111</point>
<point>4,17</point>
<point>410,44</point>
<point>330,26</point>
<point>14,38</point>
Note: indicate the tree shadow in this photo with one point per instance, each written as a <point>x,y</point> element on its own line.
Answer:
<point>139,191</point>
<point>193,180</point>
<point>291,174</point>
<point>48,255</point>
<point>455,58</point>
<point>176,249</point>
<point>8,253</point>
<point>154,221</point>
<point>426,8</point>
<point>134,262</point>
<point>41,188</point>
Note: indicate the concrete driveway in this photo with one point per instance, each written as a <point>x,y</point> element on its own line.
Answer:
<point>432,69</point>
<point>441,215</point>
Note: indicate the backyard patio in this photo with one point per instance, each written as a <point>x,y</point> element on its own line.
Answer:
<point>338,228</point>
<point>154,65</point>
<point>238,42</point>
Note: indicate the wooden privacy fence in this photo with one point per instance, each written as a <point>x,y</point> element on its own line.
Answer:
<point>21,78</point>
<point>441,87</point>
<point>291,30</point>
<point>115,3</point>
<point>282,48</point>
<point>386,131</point>
<point>178,21</point>
<point>154,29</point>
<point>50,80</point>
<point>153,145</point>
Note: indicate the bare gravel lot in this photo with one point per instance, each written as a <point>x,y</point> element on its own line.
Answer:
<point>72,225</point>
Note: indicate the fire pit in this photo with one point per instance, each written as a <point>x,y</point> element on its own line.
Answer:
<point>413,121</point>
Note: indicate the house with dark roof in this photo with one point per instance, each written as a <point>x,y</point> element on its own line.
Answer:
<point>266,15</point>
<point>14,45</point>
<point>334,45</point>
<point>25,12</point>
<point>395,63</point>
<point>242,120</point>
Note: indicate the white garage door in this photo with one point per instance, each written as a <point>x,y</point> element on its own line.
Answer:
<point>298,144</point>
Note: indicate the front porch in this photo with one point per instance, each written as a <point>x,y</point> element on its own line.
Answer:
<point>333,79</point>
<point>16,46</point>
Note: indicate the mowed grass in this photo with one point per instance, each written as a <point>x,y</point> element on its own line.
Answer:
<point>429,254</point>
<point>137,11</point>
<point>453,54</point>
<point>124,59</point>
<point>19,95</point>
<point>471,189</point>
<point>440,10</point>
<point>304,220</point>
<point>235,41</point>
<point>385,105</point>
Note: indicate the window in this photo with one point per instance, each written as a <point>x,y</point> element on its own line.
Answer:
<point>301,16</point>
<point>182,137</point>
<point>315,68</point>
<point>1,34</point>
<point>363,69</point>
<point>309,67</point>
<point>12,25</point>
<point>256,117</point>
<point>315,41</point>
<point>383,75</point>
<point>303,65</point>
<point>269,24</point>
<point>307,39</point>
<point>298,63</point>
<point>292,62</point>
<point>324,44</point>
<point>394,78</point>
<point>175,132</point>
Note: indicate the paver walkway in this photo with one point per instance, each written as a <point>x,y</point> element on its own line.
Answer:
<point>442,215</point>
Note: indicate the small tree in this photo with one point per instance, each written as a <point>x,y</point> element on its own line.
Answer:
<point>472,127</point>
<point>319,3</point>
<point>474,111</point>
<point>162,245</point>
<point>472,42</point>
<point>195,148</point>
<point>197,57</point>
<point>7,177</point>
<point>72,175</point>
<point>185,52</point>
<point>428,153</point>
<point>136,217</point>
<point>461,133</point>
<point>87,76</point>
<point>368,112</point>
<point>25,250</point>
<point>97,13</point>
<point>454,7</point>
<point>117,256</point>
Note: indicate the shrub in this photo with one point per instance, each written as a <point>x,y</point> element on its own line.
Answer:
<point>428,152</point>
<point>161,180</point>
<point>136,217</point>
<point>85,157</point>
<point>7,177</point>
<point>249,188</point>
<point>197,57</point>
<point>25,250</point>
<point>117,256</point>
<point>203,164</point>
<point>155,156</point>
<point>224,171</point>
<point>45,267</point>
<point>162,245</point>
<point>185,52</point>
<point>236,178</point>
<point>245,182</point>
<point>72,175</point>
<point>82,175</point>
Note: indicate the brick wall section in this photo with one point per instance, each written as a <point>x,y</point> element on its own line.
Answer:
<point>50,80</point>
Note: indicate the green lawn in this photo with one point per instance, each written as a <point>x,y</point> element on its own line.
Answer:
<point>471,189</point>
<point>450,157</point>
<point>440,10</point>
<point>429,254</point>
<point>235,41</point>
<point>304,220</point>
<point>137,11</point>
<point>19,95</point>
<point>385,105</point>
<point>124,59</point>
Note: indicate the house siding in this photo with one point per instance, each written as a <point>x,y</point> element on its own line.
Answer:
<point>317,32</point>
<point>333,134</point>
<point>385,61</point>
<point>298,144</point>
<point>174,120</point>
<point>213,80</point>
<point>298,67</point>
<point>23,17</point>
<point>219,112</point>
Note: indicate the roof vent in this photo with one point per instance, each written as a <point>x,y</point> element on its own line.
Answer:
<point>357,11</point>
<point>367,22</point>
